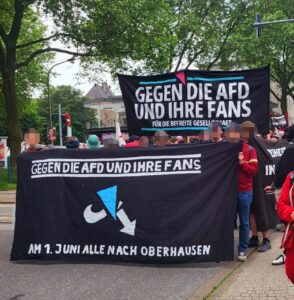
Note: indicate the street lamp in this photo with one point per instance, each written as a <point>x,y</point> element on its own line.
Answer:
<point>48,86</point>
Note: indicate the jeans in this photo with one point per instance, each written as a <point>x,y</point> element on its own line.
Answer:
<point>243,207</point>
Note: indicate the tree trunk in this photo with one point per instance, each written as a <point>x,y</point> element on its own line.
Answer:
<point>13,123</point>
<point>284,99</point>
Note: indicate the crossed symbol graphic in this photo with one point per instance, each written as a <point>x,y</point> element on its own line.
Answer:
<point>109,199</point>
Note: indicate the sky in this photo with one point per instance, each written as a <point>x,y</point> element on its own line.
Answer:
<point>68,72</point>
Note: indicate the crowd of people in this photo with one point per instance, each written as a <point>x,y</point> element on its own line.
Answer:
<point>248,168</point>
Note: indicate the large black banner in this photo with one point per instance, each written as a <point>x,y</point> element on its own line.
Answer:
<point>263,205</point>
<point>168,204</point>
<point>188,101</point>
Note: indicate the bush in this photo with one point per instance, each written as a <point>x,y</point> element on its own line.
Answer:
<point>4,180</point>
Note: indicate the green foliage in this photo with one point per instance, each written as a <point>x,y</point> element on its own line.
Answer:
<point>31,118</point>
<point>7,10</point>
<point>156,36</point>
<point>72,102</point>
<point>32,76</point>
<point>142,36</point>
<point>5,186</point>
<point>4,180</point>
<point>275,45</point>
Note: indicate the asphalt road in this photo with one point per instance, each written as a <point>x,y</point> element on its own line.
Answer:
<point>42,280</point>
<point>46,280</point>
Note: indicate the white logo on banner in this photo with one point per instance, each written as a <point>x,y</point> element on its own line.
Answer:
<point>109,199</point>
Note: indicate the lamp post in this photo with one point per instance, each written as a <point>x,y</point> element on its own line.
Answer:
<point>48,86</point>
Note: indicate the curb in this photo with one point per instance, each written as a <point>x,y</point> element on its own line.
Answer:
<point>219,280</point>
<point>228,275</point>
<point>7,197</point>
<point>6,219</point>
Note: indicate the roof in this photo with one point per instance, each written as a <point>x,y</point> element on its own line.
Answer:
<point>115,99</point>
<point>98,92</point>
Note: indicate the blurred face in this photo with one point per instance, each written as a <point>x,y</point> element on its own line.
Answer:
<point>204,135</point>
<point>143,141</point>
<point>247,130</point>
<point>232,136</point>
<point>161,140</point>
<point>32,138</point>
<point>245,133</point>
<point>215,134</point>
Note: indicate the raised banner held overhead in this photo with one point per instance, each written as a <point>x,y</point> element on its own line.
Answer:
<point>143,205</point>
<point>279,122</point>
<point>186,101</point>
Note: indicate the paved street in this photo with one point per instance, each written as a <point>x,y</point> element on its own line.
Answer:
<point>254,279</point>
<point>41,280</point>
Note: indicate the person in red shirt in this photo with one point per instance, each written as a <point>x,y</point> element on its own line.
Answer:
<point>248,169</point>
<point>133,141</point>
<point>285,208</point>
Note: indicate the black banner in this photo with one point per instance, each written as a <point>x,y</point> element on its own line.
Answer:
<point>168,204</point>
<point>187,101</point>
<point>269,153</point>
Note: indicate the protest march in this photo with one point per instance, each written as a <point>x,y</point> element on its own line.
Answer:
<point>201,156</point>
<point>146,150</point>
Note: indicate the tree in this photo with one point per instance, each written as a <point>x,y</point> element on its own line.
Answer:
<point>141,36</point>
<point>75,25</point>
<point>275,46</point>
<point>72,102</point>
<point>17,83</point>
<point>33,118</point>
<point>166,35</point>
<point>203,29</point>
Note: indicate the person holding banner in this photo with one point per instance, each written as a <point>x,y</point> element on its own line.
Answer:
<point>232,133</point>
<point>285,208</point>
<point>286,163</point>
<point>32,141</point>
<point>161,138</point>
<point>204,137</point>
<point>133,141</point>
<point>93,142</point>
<point>284,167</point>
<point>263,215</point>
<point>215,132</point>
<point>248,169</point>
<point>72,143</point>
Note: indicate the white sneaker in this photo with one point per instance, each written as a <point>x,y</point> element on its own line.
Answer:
<point>280,260</point>
<point>242,256</point>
